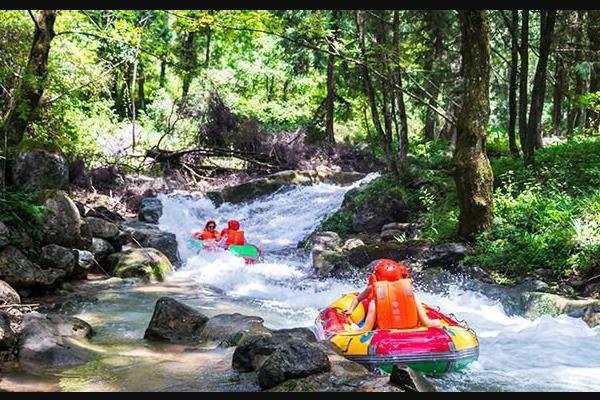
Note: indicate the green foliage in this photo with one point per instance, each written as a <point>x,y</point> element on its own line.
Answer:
<point>20,210</point>
<point>545,217</point>
<point>339,222</point>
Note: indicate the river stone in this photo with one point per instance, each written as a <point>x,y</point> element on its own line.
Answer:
<point>410,380</point>
<point>292,359</point>
<point>41,169</point>
<point>104,213</point>
<point>55,256</point>
<point>150,210</point>
<point>147,263</point>
<point>101,249</point>
<point>228,328</point>
<point>85,263</point>
<point>149,235</point>
<point>8,295</point>
<point>175,322</point>
<point>20,273</point>
<point>4,235</point>
<point>101,228</point>
<point>352,244</point>
<point>53,341</point>
<point>62,224</point>
<point>7,337</point>
<point>344,376</point>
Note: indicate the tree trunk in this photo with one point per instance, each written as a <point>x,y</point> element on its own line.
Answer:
<point>163,73</point>
<point>594,38</point>
<point>472,171</point>
<point>402,121</point>
<point>329,102</point>
<point>31,88</point>
<point>524,54</point>
<point>534,128</point>
<point>141,84</point>
<point>190,61</point>
<point>512,89</point>
<point>432,86</point>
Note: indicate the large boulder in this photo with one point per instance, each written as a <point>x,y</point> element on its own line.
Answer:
<point>55,256</point>
<point>149,235</point>
<point>8,295</point>
<point>150,210</point>
<point>19,272</point>
<point>41,169</point>
<point>147,263</point>
<point>325,244</point>
<point>101,228</point>
<point>53,341</point>
<point>175,322</point>
<point>62,223</point>
<point>4,235</point>
<point>343,376</point>
<point>227,329</point>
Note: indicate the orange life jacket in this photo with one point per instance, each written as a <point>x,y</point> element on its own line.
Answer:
<point>208,235</point>
<point>235,237</point>
<point>396,306</point>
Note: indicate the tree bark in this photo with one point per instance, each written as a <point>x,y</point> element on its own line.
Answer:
<point>534,128</point>
<point>190,60</point>
<point>402,120</point>
<point>329,102</point>
<point>472,171</point>
<point>594,38</point>
<point>30,90</point>
<point>524,54</point>
<point>432,86</point>
<point>512,89</point>
<point>163,73</point>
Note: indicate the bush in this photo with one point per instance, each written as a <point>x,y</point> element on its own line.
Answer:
<point>20,210</point>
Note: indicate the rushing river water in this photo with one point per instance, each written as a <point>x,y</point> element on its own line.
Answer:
<point>516,354</point>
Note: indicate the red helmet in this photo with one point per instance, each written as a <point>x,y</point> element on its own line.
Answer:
<point>233,224</point>
<point>390,270</point>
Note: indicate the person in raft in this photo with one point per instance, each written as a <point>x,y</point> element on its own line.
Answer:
<point>232,234</point>
<point>392,302</point>
<point>210,232</point>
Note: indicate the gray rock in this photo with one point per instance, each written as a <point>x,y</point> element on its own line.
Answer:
<point>352,244</point>
<point>55,256</point>
<point>150,210</point>
<point>8,338</point>
<point>53,341</point>
<point>101,228</point>
<point>41,169</point>
<point>4,235</point>
<point>8,295</point>
<point>447,255</point>
<point>293,359</point>
<point>227,329</point>
<point>19,272</point>
<point>62,224</point>
<point>175,322</point>
<point>104,213</point>
<point>146,263</point>
<point>101,249</point>
<point>148,235</point>
<point>410,380</point>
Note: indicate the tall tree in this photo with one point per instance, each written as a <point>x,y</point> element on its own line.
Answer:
<point>524,55</point>
<point>560,76</point>
<point>400,111</point>
<point>329,102</point>
<point>594,38</point>
<point>512,88</point>
<point>472,171</point>
<point>534,128</point>
<point>436,21</point>
<point>32,85</point>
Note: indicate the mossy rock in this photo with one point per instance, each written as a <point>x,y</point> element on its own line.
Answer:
<point>146,263</point>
